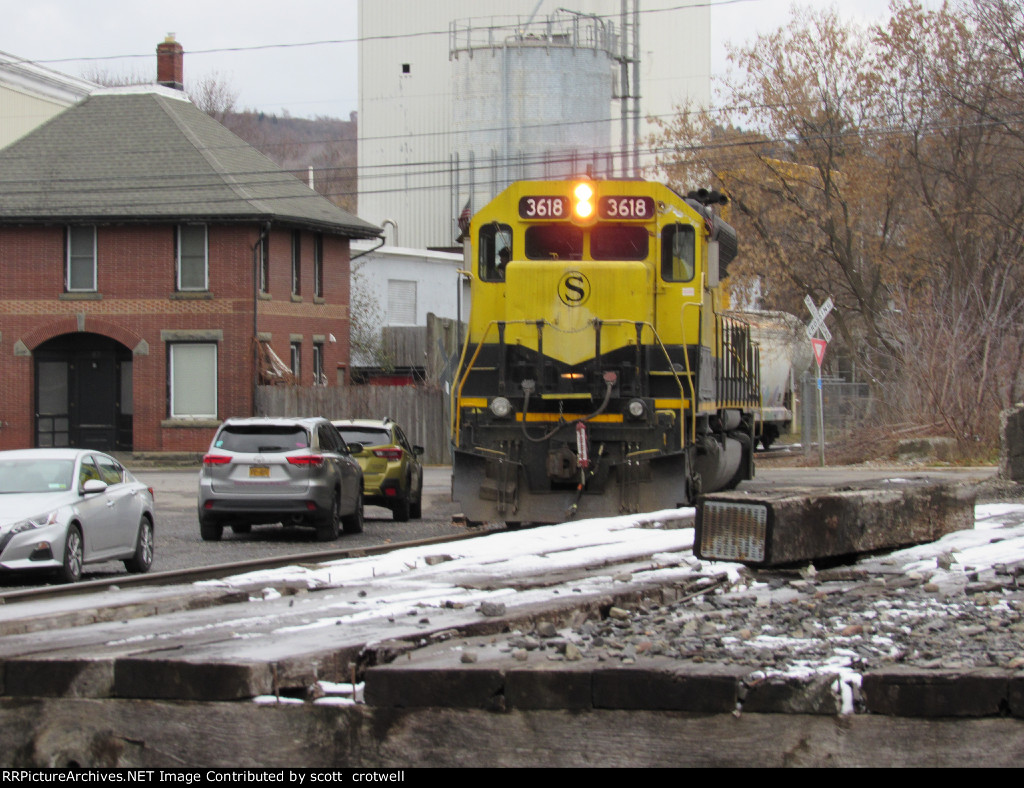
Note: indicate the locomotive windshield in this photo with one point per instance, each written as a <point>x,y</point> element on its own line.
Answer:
<point>677,253</point>
<point>618,242</point>
<point>495,250</point>
<point>607,242</point>
<point>554,242</point>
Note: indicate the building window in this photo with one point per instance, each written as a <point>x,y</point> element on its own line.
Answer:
<point>401,303</point>
<point>319,376</point>
<point>81,261</point>
<point>264,264</point>
<point>192,257</point>
<point>296,360</point>
<point>193,380</point>
<point>318,265</point>
<point>296,263</point>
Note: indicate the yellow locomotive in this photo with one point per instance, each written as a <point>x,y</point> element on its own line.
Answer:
<point>600,374</point>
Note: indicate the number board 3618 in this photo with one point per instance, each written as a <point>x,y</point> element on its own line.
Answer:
<point>543,207</point>
<point>624,207</point>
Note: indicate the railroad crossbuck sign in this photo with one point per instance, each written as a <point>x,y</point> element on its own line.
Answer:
<point>817,324</point>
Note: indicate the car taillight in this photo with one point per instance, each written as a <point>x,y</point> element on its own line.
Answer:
<point>313,460</point>
<point>389,454</point>
<point>215,459</point>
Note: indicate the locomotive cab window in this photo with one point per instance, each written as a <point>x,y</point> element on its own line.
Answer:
<point>677,253</point>
<point>495,251</point>
<point>618,242</point>
<point>554,242</point>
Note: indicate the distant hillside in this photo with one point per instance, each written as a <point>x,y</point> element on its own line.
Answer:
<point>295,144</point>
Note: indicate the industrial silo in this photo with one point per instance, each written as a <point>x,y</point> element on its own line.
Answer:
<point>530,99</point>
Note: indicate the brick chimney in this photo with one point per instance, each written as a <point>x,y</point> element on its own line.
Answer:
<point>170,59</point>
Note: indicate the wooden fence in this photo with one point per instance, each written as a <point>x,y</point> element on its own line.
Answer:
<point>422,411</point>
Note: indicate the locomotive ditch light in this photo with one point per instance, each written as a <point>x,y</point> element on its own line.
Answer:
<point>583,208</point>
<point>636,408</point>
<point>501,407</point>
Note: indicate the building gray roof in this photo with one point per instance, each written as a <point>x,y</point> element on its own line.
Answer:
<point>38,81</point>
<point>148,154</point>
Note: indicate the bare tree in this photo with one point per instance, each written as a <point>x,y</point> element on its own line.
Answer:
<point>882,167</point>
<point>366,320</point>
<point>214,95</point>
<point>115,79</point>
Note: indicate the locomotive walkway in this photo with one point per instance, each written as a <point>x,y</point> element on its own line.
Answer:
<point>603,643</point>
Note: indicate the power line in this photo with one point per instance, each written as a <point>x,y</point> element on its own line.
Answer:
<point>364,39</point>
<point>437,168</point>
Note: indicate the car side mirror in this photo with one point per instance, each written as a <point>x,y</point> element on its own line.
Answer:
<point>94,486</point>
<point>355,448</point>
<point>417,450</point>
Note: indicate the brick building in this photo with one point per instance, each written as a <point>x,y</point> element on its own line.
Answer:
<point>144,249</point>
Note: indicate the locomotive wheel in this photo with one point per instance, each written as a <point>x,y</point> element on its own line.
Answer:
<point>740,474</point>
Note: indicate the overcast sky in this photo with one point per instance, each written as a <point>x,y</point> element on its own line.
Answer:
<point>306,80</point>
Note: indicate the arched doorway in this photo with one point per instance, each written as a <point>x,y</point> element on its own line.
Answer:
<point>83,393</point>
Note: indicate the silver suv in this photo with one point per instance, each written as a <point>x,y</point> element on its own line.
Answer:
<point>280,470</point>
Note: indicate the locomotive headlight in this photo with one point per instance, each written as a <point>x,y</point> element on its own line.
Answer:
<point>501,407</point>
<point>636,408</point>
<point>583,206</point>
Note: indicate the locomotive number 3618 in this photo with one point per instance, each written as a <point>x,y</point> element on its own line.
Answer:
<point>625,208</point>
<point>543,207</point>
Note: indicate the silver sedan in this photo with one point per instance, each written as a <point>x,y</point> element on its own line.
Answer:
<point>61,509</point>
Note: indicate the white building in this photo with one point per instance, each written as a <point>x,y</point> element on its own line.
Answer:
<point>459,97</point>
<point>30,95</point>
<point>409,284</point>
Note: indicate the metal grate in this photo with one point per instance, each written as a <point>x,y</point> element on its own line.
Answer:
<point>733,531</point>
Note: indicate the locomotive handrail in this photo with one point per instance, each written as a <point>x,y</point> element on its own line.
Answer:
<point>456,416</point>
<point>457,390</point>
<point>671,367</point>
<point>686,356</point>
<point>744,362</point>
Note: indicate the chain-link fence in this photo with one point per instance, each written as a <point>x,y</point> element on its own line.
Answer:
<point>846,409</point>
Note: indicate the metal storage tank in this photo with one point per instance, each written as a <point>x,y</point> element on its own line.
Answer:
<point>407,151</point>
<point>529,101</point>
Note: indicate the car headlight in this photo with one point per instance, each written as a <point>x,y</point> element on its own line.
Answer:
<point>34,522</point>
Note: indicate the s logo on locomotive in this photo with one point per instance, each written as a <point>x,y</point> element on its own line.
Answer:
<point>574,289</point>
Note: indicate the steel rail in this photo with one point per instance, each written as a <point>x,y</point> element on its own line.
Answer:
<point>215,571</point>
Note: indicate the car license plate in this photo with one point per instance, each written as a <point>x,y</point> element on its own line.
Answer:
<point>259,471</point>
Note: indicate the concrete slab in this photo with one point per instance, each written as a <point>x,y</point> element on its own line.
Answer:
<point>793,526</point>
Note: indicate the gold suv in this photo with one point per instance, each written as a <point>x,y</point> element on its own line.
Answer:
<point>392,473</point>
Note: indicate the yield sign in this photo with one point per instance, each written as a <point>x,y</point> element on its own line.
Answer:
<point>819,350</point>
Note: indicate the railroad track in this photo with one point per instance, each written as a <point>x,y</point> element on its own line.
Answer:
<point>217,571</point>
